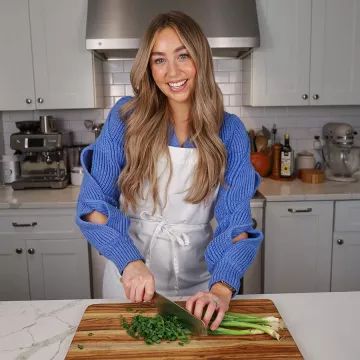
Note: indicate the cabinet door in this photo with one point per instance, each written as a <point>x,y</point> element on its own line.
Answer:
<point>335,52</point>
<point>345,275</point>
<point>63,68</point>
<point>281,65</point>
<point>16,67</point>
<point>58,269</point>
<point>298,242</point>
<point>14,280</point>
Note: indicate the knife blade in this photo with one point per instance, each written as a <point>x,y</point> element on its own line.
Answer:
<point>167,307</point>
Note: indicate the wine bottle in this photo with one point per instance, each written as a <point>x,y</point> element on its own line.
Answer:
<point>287,158</point>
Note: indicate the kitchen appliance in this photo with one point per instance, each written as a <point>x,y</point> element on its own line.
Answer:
<point>28,127</point>
<point>114,28</point>
<point>74,154</point>
<point>341,157</point>
<point>43,159</point>
<point>9,168</point>
<point>109,340</point>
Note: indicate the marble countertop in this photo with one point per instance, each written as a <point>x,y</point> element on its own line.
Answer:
<point>322,324</point>
<point>297,190</point>
<point>269,189</point>
<point>38,198</point>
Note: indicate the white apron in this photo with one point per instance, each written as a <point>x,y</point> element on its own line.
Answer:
<point>173,241</point>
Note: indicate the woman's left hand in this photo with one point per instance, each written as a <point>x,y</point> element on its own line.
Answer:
<point>217,299</point>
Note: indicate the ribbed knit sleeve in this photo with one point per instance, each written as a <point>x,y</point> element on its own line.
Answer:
<point>228,261</point>
<point>103,162</point>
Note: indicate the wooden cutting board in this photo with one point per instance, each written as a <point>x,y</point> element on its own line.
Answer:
<point>109,341</point>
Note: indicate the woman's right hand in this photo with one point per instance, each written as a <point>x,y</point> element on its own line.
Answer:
<point>138,282</point>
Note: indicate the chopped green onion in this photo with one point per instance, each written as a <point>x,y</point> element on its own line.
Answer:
<point>80,346</point>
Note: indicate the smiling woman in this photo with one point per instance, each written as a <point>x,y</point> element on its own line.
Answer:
<point>166,161</point>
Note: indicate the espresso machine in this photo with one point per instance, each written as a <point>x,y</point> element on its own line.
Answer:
<point>341,157</point>
<point>43,155</point>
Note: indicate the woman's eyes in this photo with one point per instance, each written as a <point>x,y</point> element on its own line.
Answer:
<point>181,56</point>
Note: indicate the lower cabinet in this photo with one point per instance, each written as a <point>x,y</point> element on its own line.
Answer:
<point>345,275</point>
<point>43,256</point>
<point>298,246</point>
<point>14,278</point>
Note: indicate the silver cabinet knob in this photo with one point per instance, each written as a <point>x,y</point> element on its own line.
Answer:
<point>19,250</point>
<point>28,101</point>
<point>31,251</point>
<point>305,96</point>
<point>40,100</point>
<point>340,241</point>
<point>316,97</point>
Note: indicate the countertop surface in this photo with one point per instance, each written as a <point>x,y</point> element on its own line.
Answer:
<point>297,190</point>
<point>270,190</point>
<point>324,325</point>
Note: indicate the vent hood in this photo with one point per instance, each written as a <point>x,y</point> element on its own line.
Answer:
<point>115,27</point>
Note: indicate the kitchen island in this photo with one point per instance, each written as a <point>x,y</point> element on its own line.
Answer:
<point>322,324</point>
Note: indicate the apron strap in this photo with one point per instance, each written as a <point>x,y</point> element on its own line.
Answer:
<point>181,238</point>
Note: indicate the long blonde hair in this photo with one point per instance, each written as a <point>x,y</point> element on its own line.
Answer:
<point>147,118</point>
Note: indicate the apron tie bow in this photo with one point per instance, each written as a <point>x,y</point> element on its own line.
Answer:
<point>162,225</point>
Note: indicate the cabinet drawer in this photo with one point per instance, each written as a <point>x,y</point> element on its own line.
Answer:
<point>35,222</point>
<point>347,215</point>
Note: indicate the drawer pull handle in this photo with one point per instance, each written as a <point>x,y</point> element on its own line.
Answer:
<point>14,224</point>
<point>293,211</point>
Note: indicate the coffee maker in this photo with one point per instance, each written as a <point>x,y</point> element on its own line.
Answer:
<point>43,155</point>
<point>340,155</point>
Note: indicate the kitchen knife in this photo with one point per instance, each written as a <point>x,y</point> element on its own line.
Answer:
<point>165,307</point>
<point>168,307</point>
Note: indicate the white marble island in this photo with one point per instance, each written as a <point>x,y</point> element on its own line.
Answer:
<point>324,325</point>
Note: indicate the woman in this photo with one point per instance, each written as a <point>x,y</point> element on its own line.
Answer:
<point>172,156</point>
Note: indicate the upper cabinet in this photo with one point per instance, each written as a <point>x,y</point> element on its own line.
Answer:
<point>308,54</point>
<point>46,64</point>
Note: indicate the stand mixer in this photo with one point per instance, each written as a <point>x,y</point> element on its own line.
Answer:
<point>341,157</point>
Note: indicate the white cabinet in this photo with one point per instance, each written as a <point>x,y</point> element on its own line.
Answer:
<point>309,54</point>
<point>42,255</point>
<point>14,281</point>
<point>50,67</point>
<point>335,52</point>
<point>298,246</point>
<point>345,275</point>
<point>58,269</point>
<point>275,73</point>
<point>16,68</point>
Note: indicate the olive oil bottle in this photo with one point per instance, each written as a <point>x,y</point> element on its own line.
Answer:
<point>287,158</point>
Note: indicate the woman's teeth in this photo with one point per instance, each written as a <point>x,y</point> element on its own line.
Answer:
<point>178,84</point>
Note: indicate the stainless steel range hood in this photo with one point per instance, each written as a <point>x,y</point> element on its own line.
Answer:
<point>115,27</point>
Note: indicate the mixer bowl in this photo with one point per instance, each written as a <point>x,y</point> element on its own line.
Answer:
<point>342,161</point>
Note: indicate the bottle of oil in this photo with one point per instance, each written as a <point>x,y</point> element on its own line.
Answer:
<point>287,158</point>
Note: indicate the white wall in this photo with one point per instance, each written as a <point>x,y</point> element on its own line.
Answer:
<point>302,123</point>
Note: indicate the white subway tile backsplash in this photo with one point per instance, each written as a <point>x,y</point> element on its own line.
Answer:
<point>275,111</point>
<point>87,137</point>
<point>257,123</point>
<point>128,65</point>
<point>309,122</point>
<point>221,77</point>
<point>109,102</point>
<point>108,78</point>
<point>113,66</point>
<point>106,113</point>
<point>235,100</point>
<point>302,145</point>
<point>308,111</point>
<point>9,127</point>
<point>121,78</point>
<point>21,115</point>
<point>226,100</point>
<point>231,89</point>
<point>129,90</point>
<point>236,76</point>
<point>299,133</point>
<point>248,111</point>
<point>286,122</point>
<point>229,65</point>
<point>114,90</point>
<point>233,110</point>
<point>92,114</point>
